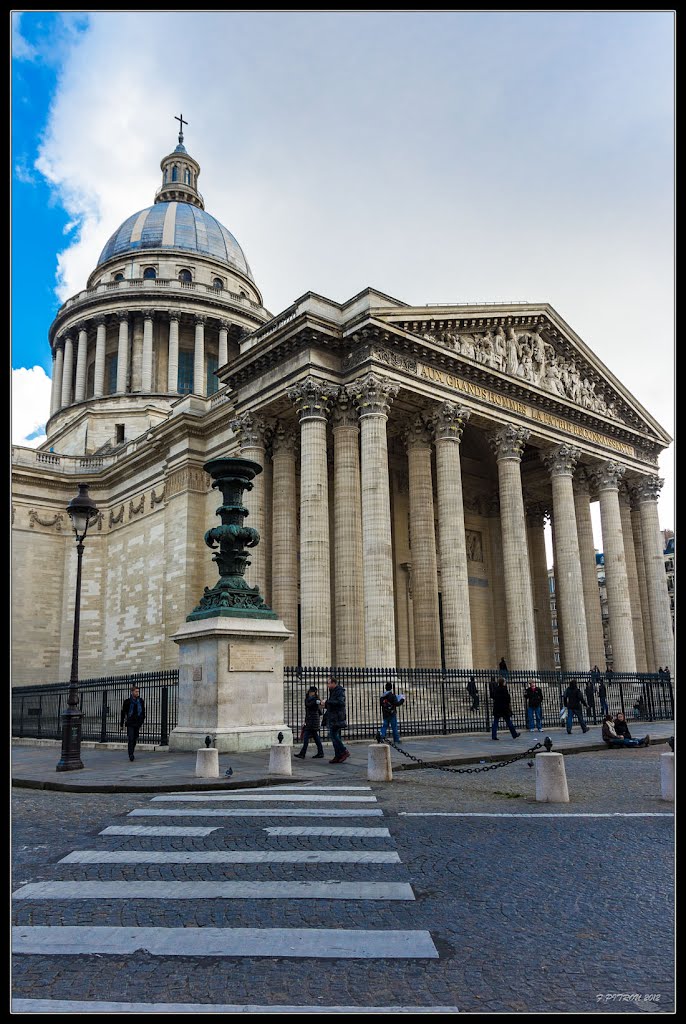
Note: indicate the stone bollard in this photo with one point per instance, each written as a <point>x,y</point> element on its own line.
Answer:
<point>667,776</point>
<point>207,763</point>
<point>551,779</point>
<point>280,759</point>
<point>379,763</point>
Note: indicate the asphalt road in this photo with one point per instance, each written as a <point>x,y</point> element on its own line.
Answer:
<point>528,907</point>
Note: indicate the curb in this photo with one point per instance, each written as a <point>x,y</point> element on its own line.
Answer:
<point>123,787</point>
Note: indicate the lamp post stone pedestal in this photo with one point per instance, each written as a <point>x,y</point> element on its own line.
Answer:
<point>231,648</point>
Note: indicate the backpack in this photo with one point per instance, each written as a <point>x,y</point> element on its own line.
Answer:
<point>388,703</point>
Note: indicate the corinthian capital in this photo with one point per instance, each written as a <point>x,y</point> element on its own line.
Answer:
<point>250,429</point>
<point>416,433</point>
<point>647,489</point>
<point>312,397</point>
<point>372,394</point>
<point>449,420</point>
<point>508,442</point>
<point>608,476</point>
<point>536,514</point>
<point>284,439</point>
<point>562,460</point>
<point>343,411</point>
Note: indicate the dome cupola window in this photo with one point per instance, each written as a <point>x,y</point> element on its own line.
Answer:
<point>185,277</point>
<point>218,284</point>
<point>149,274</point>
<point>118,277</point>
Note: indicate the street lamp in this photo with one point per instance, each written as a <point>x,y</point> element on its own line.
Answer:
<point>82,511</point>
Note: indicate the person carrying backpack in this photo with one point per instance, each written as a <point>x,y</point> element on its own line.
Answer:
<point>389,705</point>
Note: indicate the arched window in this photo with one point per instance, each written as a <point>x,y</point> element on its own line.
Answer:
<point>164,179</point>
<point>149,274</point>
<point>243,295</point>
<point>175,173</point>
<point>187,176</point>
<point>185,276</point>
<point>118,277</point>
<point>218,284</point>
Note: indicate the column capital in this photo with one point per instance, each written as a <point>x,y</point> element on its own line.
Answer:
<point>561,460</point>
<point>149,314</point>
<point>284,438</point>
<point>372,394</point>
<point>312,397</point>
<point>123,316</point>
<point>173,314</point>
<point>100,320</point>
<point>199,318</point>
<point>416,433</point>
<point>508,442</point>
<point>60,341</point>
<point>448,421</point>
<point>537,513</point>
<point>582,480</point>
<point>647,489</point>
<point>251,429</point>
<point>224,325</point>
<point>343,411</point>
<point>608,476</point>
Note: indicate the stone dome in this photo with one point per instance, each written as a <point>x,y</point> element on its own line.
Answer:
<point>179,226</point>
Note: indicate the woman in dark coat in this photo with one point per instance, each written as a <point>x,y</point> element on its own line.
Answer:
<point>313,712</point>
<point>502,708</point>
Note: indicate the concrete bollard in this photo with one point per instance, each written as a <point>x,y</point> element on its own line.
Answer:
<point>379,763</point>
<point>280,759</point>
<point>551,779</point>
<point>207,763</point>
<point>667,776</point>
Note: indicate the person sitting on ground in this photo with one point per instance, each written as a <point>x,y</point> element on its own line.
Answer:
<point>613,740</point>
<point>621,726</point>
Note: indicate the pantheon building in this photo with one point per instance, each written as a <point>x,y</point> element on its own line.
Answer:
<point>411,457</point>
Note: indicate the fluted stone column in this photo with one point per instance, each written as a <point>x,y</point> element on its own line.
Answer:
<point>589,573</point>
<point>448,423</point>
<point>100,342</point>
<point>556,564</point>
<point>173,356</point>
<point>561,462</point>
<point>285,536</point>
<point>373,395</point>
<point>647,492</point>
<point>56,399</point>
<point>347,530</point>
<point>312,399</point>
<point>607,480</point>
<point>199,386</point>
<point>146,372</point>
<point>508,443</point>
<point>540,587</point>
<point>637,533</point>
<point>123,353</point>
<point>67,370</point>
<point>427,633</point>
<point>497,582</point>
<point>223,354</point>
<point>632,578</point>
<point>81,359</point>
<point>251,431</point>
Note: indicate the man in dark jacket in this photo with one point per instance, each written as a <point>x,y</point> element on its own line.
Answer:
<point>473,693</point>
<point>590,698</point>
<point>313,712</point>
<point>502,708</point>
<point>602,697</point>
<point>533,697</point>
<point>133,716</point>
<point>573,700</point>
<point>335,714</point>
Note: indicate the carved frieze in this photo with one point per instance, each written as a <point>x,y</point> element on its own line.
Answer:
<point>381,354</point>
<point>118,517</point>
<point>48,522</point>
<point>187,478</point>
<point>136,509</point>
<point>157,499</point>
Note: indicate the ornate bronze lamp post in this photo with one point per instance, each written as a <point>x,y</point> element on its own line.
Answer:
<point>82,512</point>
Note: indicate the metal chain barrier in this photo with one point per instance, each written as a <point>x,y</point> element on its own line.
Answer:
<point>548,743</point>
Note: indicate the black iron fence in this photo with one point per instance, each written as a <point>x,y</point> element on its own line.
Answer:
<point>436,701</point>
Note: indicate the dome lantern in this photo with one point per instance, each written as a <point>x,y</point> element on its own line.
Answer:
<point>180,174</point>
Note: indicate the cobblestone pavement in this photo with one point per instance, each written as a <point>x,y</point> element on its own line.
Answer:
<point>564,913</point>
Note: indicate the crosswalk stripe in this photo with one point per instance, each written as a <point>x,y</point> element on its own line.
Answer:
<point>93,1006</point>
<point>263,812</point>
<point>362,833</point>
<point>158,830</point>
<point>287,788</point>
<point>320,943</point>
<point>332,889</point>
<point>231,857</point>
<point>285,797</point>
<point>535,814</point>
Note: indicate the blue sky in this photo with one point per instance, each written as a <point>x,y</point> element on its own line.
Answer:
<point>438,157</point>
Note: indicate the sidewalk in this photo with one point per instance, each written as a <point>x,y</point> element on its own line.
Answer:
<point>107,769</point>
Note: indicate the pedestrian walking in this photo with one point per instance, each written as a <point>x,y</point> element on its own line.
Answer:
<point>390,702</point>
<point>133,716</point>
<point>612,739</point>
<point>313,713</point>
<point>503,669</point>
<point>473,693</point>
<point>533,698</point>
<point>492,687</point>
<point>573,700</point>
<point>335,714</point>
<point>502,708</point>
<point>590,698</point>
<point>602,696</point>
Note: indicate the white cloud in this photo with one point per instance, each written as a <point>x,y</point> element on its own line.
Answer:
<point>30,405</point>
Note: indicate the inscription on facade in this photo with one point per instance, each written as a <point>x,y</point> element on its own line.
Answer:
<point>247,657</point>
<point>476,391</point>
